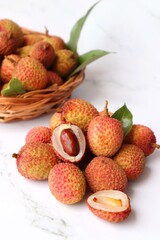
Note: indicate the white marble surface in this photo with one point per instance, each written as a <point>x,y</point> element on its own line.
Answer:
<point>131,75</point>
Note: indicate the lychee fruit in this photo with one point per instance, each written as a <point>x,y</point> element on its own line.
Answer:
<point>8,43</point>
<point>66,61</point>
<point>56,42</point>
<point>54,78</point>
<point>35,160</point>
<point>44,52</point>
<point>39,134</point>
<point>24,51</point>
<point>67,183</point>
<point>55,120</point>
<point>131,159</point>
<point>31,38</point>
<point>7,67</point>
<point>110,205</point>
<point>12,27</point>
<point>143,137</point>
<point>103,173</point>
<point>69,142</point>
<point>31,73</point>
<point>79,112</point>
<point>105,136</point>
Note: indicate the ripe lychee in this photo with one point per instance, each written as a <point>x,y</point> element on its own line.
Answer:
<point>103,173</point>
<point>143,137</point>
<point>79,112</point>
<point>56,42</point>
<point>66,61</point>
<point>35,160</point>
<point>67,183</point>
<point>55,120</point>
<point>8,43</point>
<point>110,205</point>
<point>7,67</point>
<point>69,142</point>
<point>12,27</point>
<point>105,136</point>
<point>54,78</point>
<point>24,51</point>
<point>31,38</point>
<point>44,52</point>
<point>131,159</point>
<point>31,73</point>
<point>39,134</point>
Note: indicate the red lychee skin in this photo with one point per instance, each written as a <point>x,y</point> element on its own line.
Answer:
<point>67,183</point>
<point>143,137</point>
<point>79,112</point>
<point>30,39</point>
<point>35,160</point>
<point>55,120</point>
<point>111,216</point>
<point>39,134</point>
<point>56,42</point>
<point>54,78</point>
<point>7,67</point>
<point>105,136</point>
<point>103,173</point>
<point>44,52</point>
<point>131,159</point>
<point>8,44</point>
<point>12,27</point>
<point>31,73</point>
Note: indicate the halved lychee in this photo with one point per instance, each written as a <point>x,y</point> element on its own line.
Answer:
<point>69,142</point>
<point>110,205</point>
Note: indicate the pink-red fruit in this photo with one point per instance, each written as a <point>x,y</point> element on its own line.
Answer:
<point>103,173</point>
<point>39,134</point>
<point>105,136</point>
<point>67,183</point>
<point>110,205</point>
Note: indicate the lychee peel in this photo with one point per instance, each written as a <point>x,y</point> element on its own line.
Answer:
<point>67,183</point>
<point>39,134</point>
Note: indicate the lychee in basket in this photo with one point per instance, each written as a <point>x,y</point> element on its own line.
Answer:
<point>18,103</point>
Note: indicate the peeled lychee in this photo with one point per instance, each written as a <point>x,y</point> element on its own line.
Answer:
<point>39,134</point>
<point>103,173</point>
<point>12,27</point>
<point>8,43</point>
<point>79,112</point>
<point>110,205</point>
<point>35,160</point>
<point>105,136</point>
<point>143,137</point>
<point>67,183</point>
<point>7,67</point>
<point>131,159</point>
<point>31,73</point>
<point>69,142</point>
<point>44,52</point>
<point>66,61</point>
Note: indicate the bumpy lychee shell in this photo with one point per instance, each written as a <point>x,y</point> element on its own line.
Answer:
<point>54,78</point>
<point>103,173</point>
<point>55,120</point>
<point>39,134</point>
<point>10,26</point>
<point>31,73</point>
<point>7,67</point>
<point>110,212</point>
<point>56,42</point>
<point>131,159</point>
<point>79,112</point>
<point>143,137</point>
<point>67,183</point>
<point>30,39</point>
<point>35,160</point>
<point>24,51</point>
<point>8,43</point>
<point>66,61</point>
<point>105,136</point>
<point>44,52</point>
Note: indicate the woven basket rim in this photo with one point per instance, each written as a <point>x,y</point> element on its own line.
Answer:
<point>35,103</point>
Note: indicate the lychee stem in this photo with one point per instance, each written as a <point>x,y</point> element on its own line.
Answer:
<point>155,145</point>
<point>14,155</point>
<point>106,112</point>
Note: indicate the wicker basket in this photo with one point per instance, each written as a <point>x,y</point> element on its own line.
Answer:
<point>35,103</point>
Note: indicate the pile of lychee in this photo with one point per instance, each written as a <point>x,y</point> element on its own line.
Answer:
<point>37,60</point>
<point>84,154</point>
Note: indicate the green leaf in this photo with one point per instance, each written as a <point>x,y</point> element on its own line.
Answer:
<point>125,116</point>
<point>76,31</point>
<point>14,87</point>
<point>87,58</point>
